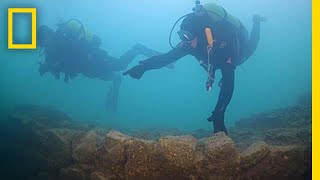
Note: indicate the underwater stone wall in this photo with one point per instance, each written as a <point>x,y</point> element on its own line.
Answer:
<point>53,146</point>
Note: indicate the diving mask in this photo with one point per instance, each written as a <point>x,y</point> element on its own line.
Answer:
<point>186,35</point>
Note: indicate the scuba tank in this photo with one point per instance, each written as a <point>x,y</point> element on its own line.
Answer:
<point>218,13</point>
<point>74,29</point>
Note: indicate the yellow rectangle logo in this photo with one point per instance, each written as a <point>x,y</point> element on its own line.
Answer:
<point>33,12</point>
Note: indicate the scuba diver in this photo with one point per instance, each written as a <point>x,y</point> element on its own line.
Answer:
<point>72,50</point>
<point>217,40</point>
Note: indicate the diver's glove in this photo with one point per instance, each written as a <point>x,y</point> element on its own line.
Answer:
<point>209,84</point>
<point>136,72</point>
<point>257,19</point>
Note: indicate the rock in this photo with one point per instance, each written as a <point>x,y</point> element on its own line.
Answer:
<point>66,135</point>
<point>85,147</point>
<point>112,154</point>
<point>287,136</point>
<point>281,162</point>
<point>219,159</point>
<point>47,150</point>
<point>144,160</point>
<point>154,133</point>
<point>100,176</point>
<point>56,146</point>
<point>261,121</point>
<point>52,146</point>
<point>44,117</point>
<point>178,153</point>
<point>42,138</point>
<point>170,157</point>
<point>201,133</point>
<point>254,154</point>
<point>289,117</point>
<point>72,174</point>
<point>116,136</point>
<point>244,138</point>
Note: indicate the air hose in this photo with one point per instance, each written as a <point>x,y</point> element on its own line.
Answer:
<point>198,7</point>
<point>81,30</point>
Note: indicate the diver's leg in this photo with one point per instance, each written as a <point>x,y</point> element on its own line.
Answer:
<point>101,65</point>
<point>112,98</point>
<point>227,88</point>
<point>109,63</point>
<point>129,56</point>
<point>224,99</point>
<point>143,50</point>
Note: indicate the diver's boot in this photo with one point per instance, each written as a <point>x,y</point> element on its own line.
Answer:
<point>219,127</point>
<point>217,118</point>
<point>215,115</point>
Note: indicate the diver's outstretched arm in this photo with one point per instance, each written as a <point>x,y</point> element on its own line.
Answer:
<point>157,62</point>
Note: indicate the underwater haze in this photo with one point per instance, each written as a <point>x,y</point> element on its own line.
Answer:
<point>277,73</point>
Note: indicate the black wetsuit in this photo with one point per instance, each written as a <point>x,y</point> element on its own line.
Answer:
<point>231,48</point>
<point>73,56</point>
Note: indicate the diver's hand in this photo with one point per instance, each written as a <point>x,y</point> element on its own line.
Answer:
<point>257,19</point>
<point>136,72</point>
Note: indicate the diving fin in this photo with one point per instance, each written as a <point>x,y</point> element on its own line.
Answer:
<point>111,104</point>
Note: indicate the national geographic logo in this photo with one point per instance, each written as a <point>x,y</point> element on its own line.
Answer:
<point>33,12</point>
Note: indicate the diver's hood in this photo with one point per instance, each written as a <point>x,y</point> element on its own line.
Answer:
<point>191,26</point>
